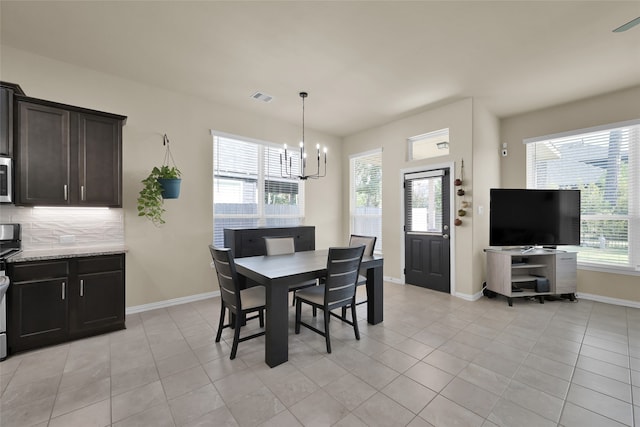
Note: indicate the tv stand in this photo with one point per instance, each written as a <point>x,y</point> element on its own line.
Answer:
<point>515,272</point>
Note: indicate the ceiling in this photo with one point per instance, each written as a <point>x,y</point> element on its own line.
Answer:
<point>363,63</point>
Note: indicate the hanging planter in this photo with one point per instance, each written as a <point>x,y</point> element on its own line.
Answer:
<point>460,192</point>
<point>170,187</point>
<point>162,183</point>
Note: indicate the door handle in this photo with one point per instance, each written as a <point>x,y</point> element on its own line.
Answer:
<point>445,236</point>
<point>64,285</point>
<point>446,227</point>
<point>81,288</point>
<point>82,192</point>
<point>66,192</point>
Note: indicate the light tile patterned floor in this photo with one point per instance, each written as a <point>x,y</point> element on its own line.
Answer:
<point>436,360</point>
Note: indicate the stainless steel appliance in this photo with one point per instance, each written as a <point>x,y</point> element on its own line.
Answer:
<point>6,193</point>
<point>10,244</point>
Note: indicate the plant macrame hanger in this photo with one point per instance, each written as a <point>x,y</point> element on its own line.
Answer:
<point>167,154</point>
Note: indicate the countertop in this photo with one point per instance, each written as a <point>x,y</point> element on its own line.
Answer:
<point>71,252</point>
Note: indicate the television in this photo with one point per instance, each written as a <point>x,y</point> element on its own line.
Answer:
<point>547,218</point>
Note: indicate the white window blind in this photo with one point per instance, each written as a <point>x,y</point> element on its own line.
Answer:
<point>248,190</point>
<point>604,164</point>
<point>366,195</point>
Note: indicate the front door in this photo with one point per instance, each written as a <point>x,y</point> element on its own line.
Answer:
<point>426,206</point>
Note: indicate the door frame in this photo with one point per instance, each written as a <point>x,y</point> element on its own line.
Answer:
<point>452,211</point>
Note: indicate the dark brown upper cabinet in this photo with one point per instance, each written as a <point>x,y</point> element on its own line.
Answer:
<point>67,156</point>
<point>7,91</point>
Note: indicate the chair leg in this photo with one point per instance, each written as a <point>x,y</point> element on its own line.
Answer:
<point>315,312</point>
<point>344,312</point>
<point>326,330</point>
<point>354,320</point>
<point>294,299</point>
<point>236,337</point>
<point>221,323</point>
<point>298,315</point>
<point>261,318</point>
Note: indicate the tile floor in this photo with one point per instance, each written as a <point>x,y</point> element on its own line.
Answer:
<point>436,360</point>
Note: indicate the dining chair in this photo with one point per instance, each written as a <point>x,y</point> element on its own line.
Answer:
<point>338,290</point>
<point>369,243</point>
<point>283,246</point>
<point>238,302</point>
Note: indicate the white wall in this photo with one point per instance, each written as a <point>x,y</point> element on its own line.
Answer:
<point>392,137</point>
<point>486,175</point>
<point>172,261</point>
<point>610,108</point>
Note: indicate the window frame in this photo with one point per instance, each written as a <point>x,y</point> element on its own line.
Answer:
<point>632,216</point>
<point>352,196</point>
<point>261,216</point>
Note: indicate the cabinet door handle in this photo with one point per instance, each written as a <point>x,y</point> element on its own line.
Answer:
<point>82,193</point>
<point>81,288</point>
<point>64,285</point>
<point>66,192</point>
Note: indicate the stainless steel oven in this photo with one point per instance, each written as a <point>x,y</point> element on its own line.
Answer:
<point>6,193</point>
<point>10,244</point>
<point>4,285</point>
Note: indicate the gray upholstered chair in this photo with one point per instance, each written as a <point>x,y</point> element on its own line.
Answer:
<point>338,290</point>
<point>369,243</point>
<point>238,302</point>
<point>283,246</point>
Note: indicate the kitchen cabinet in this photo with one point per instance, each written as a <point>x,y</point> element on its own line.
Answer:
<point>98,293</point>
<point>54,301</point>
<point>37,305</point>
<point>7,92</point>
<point>67,156</point>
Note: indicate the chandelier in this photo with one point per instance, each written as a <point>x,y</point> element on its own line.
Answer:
<point>286,159</point>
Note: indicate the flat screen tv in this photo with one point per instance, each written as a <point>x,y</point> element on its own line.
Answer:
<point>521,217</point>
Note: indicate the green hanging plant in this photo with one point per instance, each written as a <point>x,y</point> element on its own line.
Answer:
<point>151,197</point>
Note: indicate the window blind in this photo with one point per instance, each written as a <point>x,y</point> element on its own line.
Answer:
<point>366,195</point>
<point>604,164</point>
<point>248,189</point>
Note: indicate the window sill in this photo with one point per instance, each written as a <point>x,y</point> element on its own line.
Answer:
<point>627,271</point>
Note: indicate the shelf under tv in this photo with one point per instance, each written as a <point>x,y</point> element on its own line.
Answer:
<point>507,268</point>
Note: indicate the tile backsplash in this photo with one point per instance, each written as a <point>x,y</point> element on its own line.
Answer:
<point>44,228</point>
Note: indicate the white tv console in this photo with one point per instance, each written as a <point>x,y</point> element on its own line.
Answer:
<point>514,272</point>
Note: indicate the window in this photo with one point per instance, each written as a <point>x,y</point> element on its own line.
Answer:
<point>248,190</point>
<point>428,145</point>
<point>604,164</point>
<point>366,195</point>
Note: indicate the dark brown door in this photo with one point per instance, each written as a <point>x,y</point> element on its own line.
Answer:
<point>38,314</point>
<point>43,155</point>
<point>99,154</point>
<point>6,121</point>
<point>427,258</point>
<point>99,301</point>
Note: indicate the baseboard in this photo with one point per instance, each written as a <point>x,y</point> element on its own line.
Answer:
<point>170,302</point>
<point>474,297</point>
<point>608,300</point>
<point>393,280</point>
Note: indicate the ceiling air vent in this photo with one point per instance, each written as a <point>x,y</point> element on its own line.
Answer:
<point>262,97</point>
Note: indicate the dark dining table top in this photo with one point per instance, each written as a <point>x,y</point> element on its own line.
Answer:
<point>299,265</point>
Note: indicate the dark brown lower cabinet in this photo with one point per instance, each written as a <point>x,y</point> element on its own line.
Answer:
<point>50,302</point>
<point>99,294</point>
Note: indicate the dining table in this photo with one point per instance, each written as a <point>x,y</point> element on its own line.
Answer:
<point>277,273</point>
